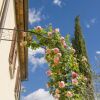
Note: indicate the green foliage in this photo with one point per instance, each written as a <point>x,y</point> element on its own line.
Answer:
<point>82,58</point>
<point>66,82</point>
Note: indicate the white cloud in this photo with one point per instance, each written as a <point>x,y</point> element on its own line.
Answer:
<point>40,94</point>
<point>91,22</point>
<point>88,25</point>
<point>35,16</point>
<point>57,2</point>
<point>97,59</point>
<point>23,89</point>
<point>39,50</point>
<point>35,61</point>
<point>22,98</point>
<point>97,52</point>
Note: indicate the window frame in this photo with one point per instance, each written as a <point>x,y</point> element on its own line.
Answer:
<point>3,13</point>
<point>13,55</point>
<point>17,85</point>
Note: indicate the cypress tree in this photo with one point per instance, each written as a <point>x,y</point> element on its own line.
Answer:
<point>82,58</point>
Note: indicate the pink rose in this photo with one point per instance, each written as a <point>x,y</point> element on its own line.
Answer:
<point>56,30</point>
<point>57,91</point>
<point>85,79</point>
<point>24,34</point>
<point>64,44</point>
<point>38,28</point>
<point>23,43</point>
<point>62,84</point>
<point>74,75</point>
<point>49,34</point>
<point>74,81</point>
<point>59,54</point>
<point>49,72</point>
<point>62,39</point>
<point>69,94</point>
<point>56,50</point>
<point>48,51</point>
<point>57,96</point>
<point>56,60</point>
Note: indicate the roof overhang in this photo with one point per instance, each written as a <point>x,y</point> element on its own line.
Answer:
<point>21,12</point>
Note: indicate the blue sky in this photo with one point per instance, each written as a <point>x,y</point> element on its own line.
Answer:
<point>61,14</point>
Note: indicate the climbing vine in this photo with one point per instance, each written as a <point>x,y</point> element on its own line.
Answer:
<point>66,82</point>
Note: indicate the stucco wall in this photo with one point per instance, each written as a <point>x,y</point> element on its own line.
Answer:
<point>1,2</point>
<point>7,85</point>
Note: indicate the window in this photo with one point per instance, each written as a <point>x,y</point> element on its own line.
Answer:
<point>13,55</point>
<point>17,85</point>
<point>3,13</point>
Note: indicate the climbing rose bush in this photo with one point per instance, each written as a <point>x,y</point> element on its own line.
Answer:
<point>65,80</point>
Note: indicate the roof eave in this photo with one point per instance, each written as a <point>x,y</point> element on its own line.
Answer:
<point>21,9</point>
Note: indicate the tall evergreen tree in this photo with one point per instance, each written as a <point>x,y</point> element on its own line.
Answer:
<point>84,66</point>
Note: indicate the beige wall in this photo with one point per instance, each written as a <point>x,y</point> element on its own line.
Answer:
<point>7,85</point>
<point>1,2</point>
